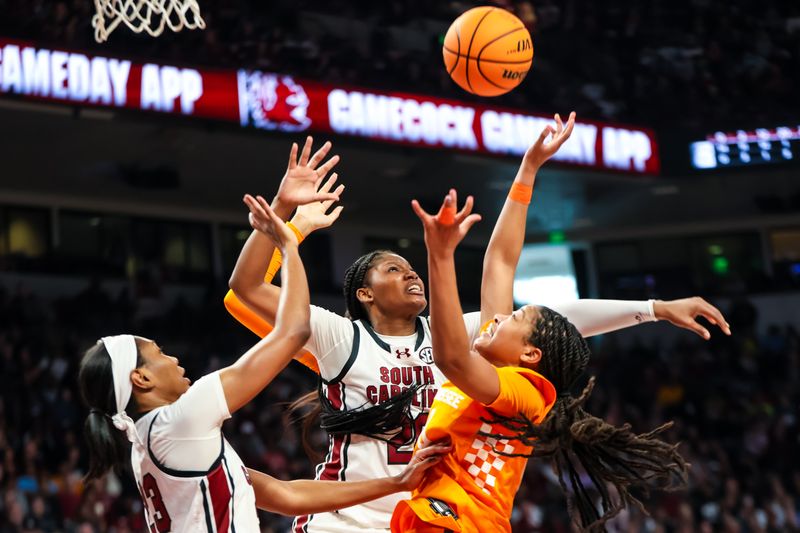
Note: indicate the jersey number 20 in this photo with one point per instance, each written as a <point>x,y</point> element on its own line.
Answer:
<point>400,454</point>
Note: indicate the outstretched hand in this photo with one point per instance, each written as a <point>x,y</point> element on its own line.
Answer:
<point>313,216</point>
<point>262,218</point>
<point>299,184</point>
<point>423,459</point>
<point>447,228</point>
<point>544,149</point>
<point>684,313</point>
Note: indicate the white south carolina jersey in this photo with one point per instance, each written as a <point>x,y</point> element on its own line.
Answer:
<point>361,368</point>
<point>189,476</point>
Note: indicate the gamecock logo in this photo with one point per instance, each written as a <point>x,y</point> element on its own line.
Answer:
<point>272,102</point>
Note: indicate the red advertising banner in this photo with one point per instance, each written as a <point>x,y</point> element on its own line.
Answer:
<point>279,102</point>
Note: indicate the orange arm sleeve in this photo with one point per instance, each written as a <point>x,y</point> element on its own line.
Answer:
<point>248,318</point>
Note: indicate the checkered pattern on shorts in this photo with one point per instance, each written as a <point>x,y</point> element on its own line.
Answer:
<point>484,463</point>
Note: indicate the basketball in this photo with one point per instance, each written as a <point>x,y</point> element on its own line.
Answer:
<point>487,51</point>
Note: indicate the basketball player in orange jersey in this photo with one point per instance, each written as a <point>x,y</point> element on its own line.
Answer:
<point>188,475</point>
<point>372,362</point>
<point>508,397</point>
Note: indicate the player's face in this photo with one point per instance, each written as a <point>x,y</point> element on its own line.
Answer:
<point>395,287</point>
<point>506,339</point>
<point>164,371</point>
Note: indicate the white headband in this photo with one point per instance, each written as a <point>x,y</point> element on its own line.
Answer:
<point>122,349</point>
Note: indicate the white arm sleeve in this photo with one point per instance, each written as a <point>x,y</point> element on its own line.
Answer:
<point>472,321</point>
<point>330,342</point>
<point>594,317</point>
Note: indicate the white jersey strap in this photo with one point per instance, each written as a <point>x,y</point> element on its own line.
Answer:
<point>420,331</point>
<point>183,473</point>
<point>350,359</point>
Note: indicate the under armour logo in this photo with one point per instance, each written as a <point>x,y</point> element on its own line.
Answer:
<point>404,351</point>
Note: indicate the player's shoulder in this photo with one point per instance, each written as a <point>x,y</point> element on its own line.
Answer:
<point>524,376</point>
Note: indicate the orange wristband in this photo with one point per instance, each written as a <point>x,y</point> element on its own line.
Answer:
<point>276,259</point>
<point>520,193</point>
<point>297,232</point>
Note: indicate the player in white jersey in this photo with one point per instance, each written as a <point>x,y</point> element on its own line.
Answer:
<point>376,365</point>
<point>189,476</point>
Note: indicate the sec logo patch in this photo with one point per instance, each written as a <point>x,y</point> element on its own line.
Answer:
<point>426,355</point>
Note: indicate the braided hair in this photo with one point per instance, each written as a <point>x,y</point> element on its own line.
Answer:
<point>577,442</point>
<point>390,421</point>
<point>354,280</point>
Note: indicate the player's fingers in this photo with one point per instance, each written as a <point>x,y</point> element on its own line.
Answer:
<point>329,183</point>
<point>431,451</point>
<point>697,328</point>
<point>334,215</point>
<point>714,315</point>
<point>559,124</point>
<point>466,210</point>
<point>293,156</point>
<point>319,155</point>
<point>325,197</point>
<point>338,192</point>
<point>327,166</point>
<point>273,217</point>
<point>447,214</point>
<point>548,130</point>
<point>421,213</point>
<point>254,206</point>
<point>469,222</point>
<point>306,151</point>
<point>570,126</point>
<point>264,206</point>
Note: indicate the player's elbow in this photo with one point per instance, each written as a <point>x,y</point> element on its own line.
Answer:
<point>296,334</point>
<point>448,363</point>
<point>237,285</point>
<point>286,501</point>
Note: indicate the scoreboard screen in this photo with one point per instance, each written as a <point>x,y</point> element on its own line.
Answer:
<point>741,148</point>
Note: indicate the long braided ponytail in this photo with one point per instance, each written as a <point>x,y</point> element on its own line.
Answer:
<point>576,442</point>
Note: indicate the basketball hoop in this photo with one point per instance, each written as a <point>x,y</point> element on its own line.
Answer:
<point>150,16</point>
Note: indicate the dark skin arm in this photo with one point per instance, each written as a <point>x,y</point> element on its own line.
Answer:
<point>451,349</point>
<point>309,496</point>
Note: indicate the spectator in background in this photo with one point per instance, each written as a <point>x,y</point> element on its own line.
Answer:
<point>679,62</point>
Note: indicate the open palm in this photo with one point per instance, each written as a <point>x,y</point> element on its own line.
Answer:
<point>447,228</point>
<point>315,215</point>
<point>302,178</point>
<point>543,149</point>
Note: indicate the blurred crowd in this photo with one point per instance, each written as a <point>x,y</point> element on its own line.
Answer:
<point>656,62</point>
<point>734,402</point>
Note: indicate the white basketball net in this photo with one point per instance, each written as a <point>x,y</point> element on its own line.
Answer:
<point>149,16</point>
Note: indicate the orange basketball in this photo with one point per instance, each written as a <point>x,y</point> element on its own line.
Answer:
<point>487,51</point>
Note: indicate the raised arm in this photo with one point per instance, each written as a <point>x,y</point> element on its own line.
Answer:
<point>254,370</point>
<point>468,371</point>
<point>508,236</point>
<point>306,496</point>
<point>594,317</point>
<point>299,186</point>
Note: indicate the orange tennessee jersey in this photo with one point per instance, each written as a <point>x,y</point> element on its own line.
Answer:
<point>472,489</point>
